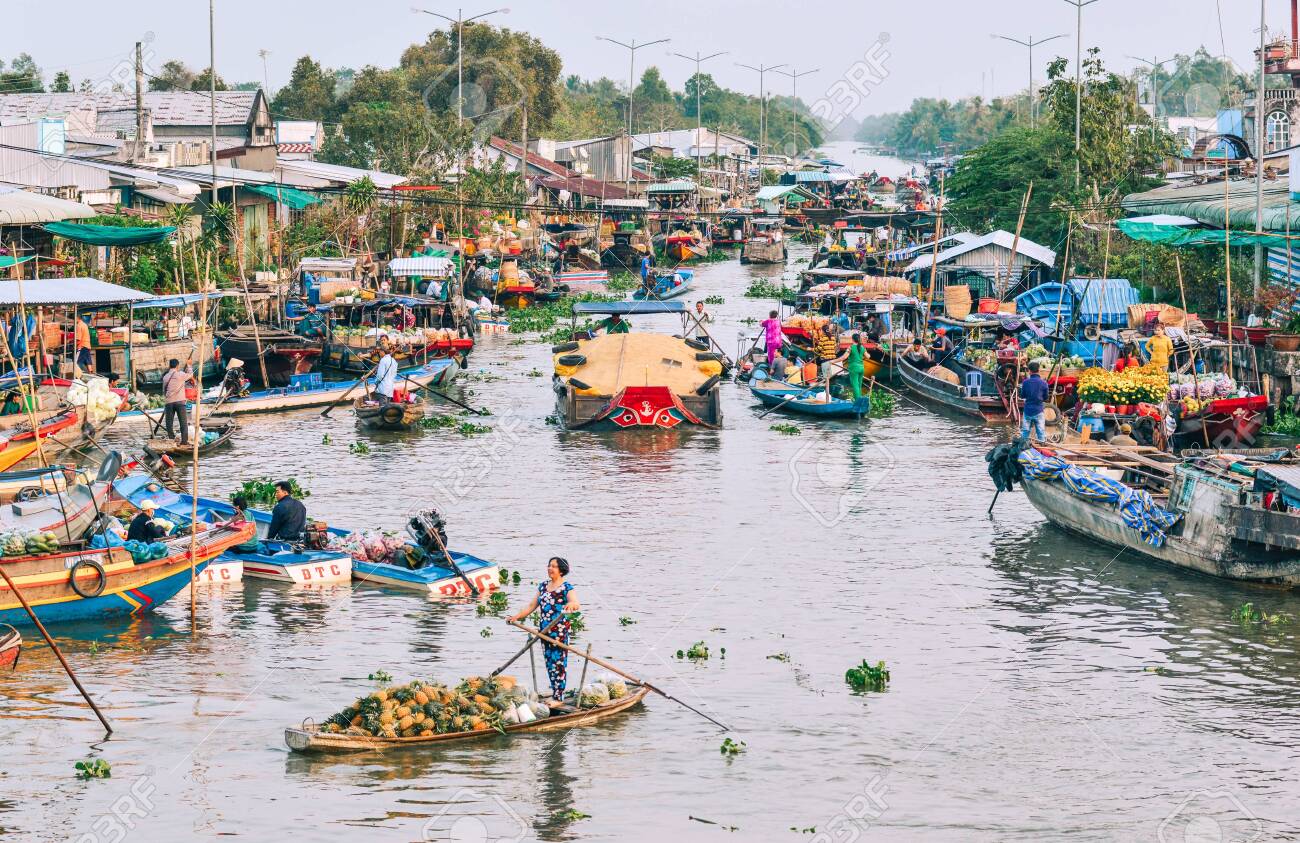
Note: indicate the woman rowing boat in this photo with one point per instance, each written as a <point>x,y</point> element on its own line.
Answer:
<point>555,600</point>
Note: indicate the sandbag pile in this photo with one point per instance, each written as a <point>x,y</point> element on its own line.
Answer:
<point>423,709</point>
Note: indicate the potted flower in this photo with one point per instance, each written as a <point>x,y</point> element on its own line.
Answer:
<point>1288,338</point>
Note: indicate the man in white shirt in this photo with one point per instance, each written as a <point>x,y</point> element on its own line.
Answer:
<point>386,371</point>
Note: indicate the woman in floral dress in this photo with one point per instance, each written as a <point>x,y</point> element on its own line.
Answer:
<point>555,600</point>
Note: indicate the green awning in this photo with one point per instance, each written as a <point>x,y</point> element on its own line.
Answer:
<point>109,235</point>
<point>1207,204</point>
<point>7,261</point>
<point>290,197</point>
<point>1178,235</point>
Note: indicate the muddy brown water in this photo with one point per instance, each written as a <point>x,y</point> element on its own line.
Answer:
<point>1042,687</point>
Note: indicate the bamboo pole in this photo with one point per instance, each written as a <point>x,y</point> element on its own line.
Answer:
<point>55,647</point>
<point>195,442</point>
<point>1015,244</point>
<point>934,260</point>
<point>1227,258</point>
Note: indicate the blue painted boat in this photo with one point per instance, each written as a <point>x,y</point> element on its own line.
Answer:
<point>92,585</point>
<point>439,372</point>
<point>289,563</point>
<point>668,286</point>
<point>801,401</point>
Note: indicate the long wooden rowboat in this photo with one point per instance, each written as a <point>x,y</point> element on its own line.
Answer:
<point>985,404</point>
<point>11,644</point>
<point>173,447</point>
<point>387,415</point>
<point>309,738</point>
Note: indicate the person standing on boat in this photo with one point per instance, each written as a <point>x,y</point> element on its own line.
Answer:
<point>773,336</point>
<point>854,360</point>
<point>174,383</point>
<point>1034,391</point>
<point>702,318</point>
<point>826,345</point>
<point>289,517</point>
<point>1160,348</point>
<point>81,331</point>
<point>554,602</point>
<point>386,371</point>
<point>645,270</point>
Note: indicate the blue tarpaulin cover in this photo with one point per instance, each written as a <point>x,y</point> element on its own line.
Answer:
<point>626,308</point>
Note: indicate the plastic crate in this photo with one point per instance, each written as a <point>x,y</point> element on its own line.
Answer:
<point>310,380</point>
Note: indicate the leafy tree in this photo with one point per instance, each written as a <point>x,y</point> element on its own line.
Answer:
<point>309,94</point>
<point>343,79</point>
<point>674,168</point>
<point>62,82</point>
<point>203,82</point>
<point>174,75</point>
<point>23,76</point>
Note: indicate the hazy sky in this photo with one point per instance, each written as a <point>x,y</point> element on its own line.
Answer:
<point>946,52</point>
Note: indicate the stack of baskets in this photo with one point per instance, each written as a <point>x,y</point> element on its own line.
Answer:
<point>957,301</point>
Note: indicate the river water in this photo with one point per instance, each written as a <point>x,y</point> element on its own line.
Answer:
<point>1042,688</point>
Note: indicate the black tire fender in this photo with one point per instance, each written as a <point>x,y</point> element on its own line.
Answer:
<point>94,566</point>
<point>564,347</point>
<point>1091,331</point>
<point>707,386</point>
<point>698,346</point>
<point>392,414</point>
<point>708,356</point>
<point>572,360</point>
<point>577,384</point>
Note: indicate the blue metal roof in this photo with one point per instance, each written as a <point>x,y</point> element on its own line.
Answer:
<point>1107,297</point>
<point>812,176</point>
<point>181,300</point>
<point>629,308</point>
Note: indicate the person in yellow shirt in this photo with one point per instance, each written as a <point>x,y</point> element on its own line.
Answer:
<point>1160,348</point>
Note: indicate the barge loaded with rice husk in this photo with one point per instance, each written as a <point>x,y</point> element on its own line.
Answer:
<point>623,381</point>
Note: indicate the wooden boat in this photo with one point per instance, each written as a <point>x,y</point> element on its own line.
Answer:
<point>636,380</point>
<point>667,285</point>
<point>583,281</point>
<point>272,560</point>
<point>733,228</point>
<point>803,401</point>
<point>84,585</point>
<point>625,249</point>
<point>34,482</point>
<point>981,400</point>
<point>22,443</point>
<point>285,352</point>
<point>767,242</point>
<point>431,578</point>
<point>68,512</point>
<point>434,373</point>
<point>222,431</point>
<point>375,413</point>
<point>1204,514</point>
<point>11,645</point>
<point>1225,423</point>
<point>681,246</point>
<point>309,738</point>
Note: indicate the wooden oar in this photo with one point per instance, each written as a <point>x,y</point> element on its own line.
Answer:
<point>549,640</point>
<point>360,381</point>
<point>452,563</point>
<point>531,642</point>
<point>444,396</point>
<point>55,647</point>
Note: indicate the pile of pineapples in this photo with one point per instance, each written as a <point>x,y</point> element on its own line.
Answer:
<point>421,709</point>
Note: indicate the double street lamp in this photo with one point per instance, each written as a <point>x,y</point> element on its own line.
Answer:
<point>631,84</point>
<point>1031,43</point>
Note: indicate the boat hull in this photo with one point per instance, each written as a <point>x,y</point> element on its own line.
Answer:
<point>221,571</point>
<point>785,399</point>
<point>311,740</point>
<point>11,645</point>
<point>952,396</point>
<point>430,579</point>
<point>638,408</point>
<point>754,252</point>
<point>389,415</point>
<point>434,373</point>
<point>313,567</point>
<point>1102,523</point>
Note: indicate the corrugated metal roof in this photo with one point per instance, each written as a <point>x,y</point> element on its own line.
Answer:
<point>769,192</point>
<point>1005,239</point>
<point>181,300</point>
<point>1205,203</point>
<point>167,108</point>
<point>72,291</point>
<point>18,207</point>
<point>806,176</point>
<point>421,267</point>
<point>335,173</point>
<point>674,186</point>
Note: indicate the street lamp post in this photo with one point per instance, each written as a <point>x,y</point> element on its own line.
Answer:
<point>1155,98</point>
<point>762,106</point>
<point>631,82</point>
<point>699,118</point>
<point>794,116</point>
<point>1078,86</point>
<point>1031,43</point>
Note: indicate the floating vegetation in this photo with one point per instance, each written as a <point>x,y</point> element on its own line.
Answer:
<point>97,768</point>
<point>571,815</point>
<point>576,623</point>
<point>534,373</point>
<point>868,677</point>
<point>326,440</point>
<point>553,419</point>
<point>486,632</point>
<point>543,315</point>
<point>497,603</point>
<point>1247,614</point>
<point>715,300</point>
<point>622,282</point>
<point>515,578</point>
<point>359,448</point>
<point>697,652</point>
<point>380,676</point>
<point>882,404</point>
<point>761,288</point>
<point>780,657</point>
<point>785,429</point>
<point>438,421</point>
<point>484,377</point>
<point>731,748</point>
<point>624,620</point>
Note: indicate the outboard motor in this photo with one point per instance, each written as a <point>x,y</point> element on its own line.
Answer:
<point>430,534</point>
